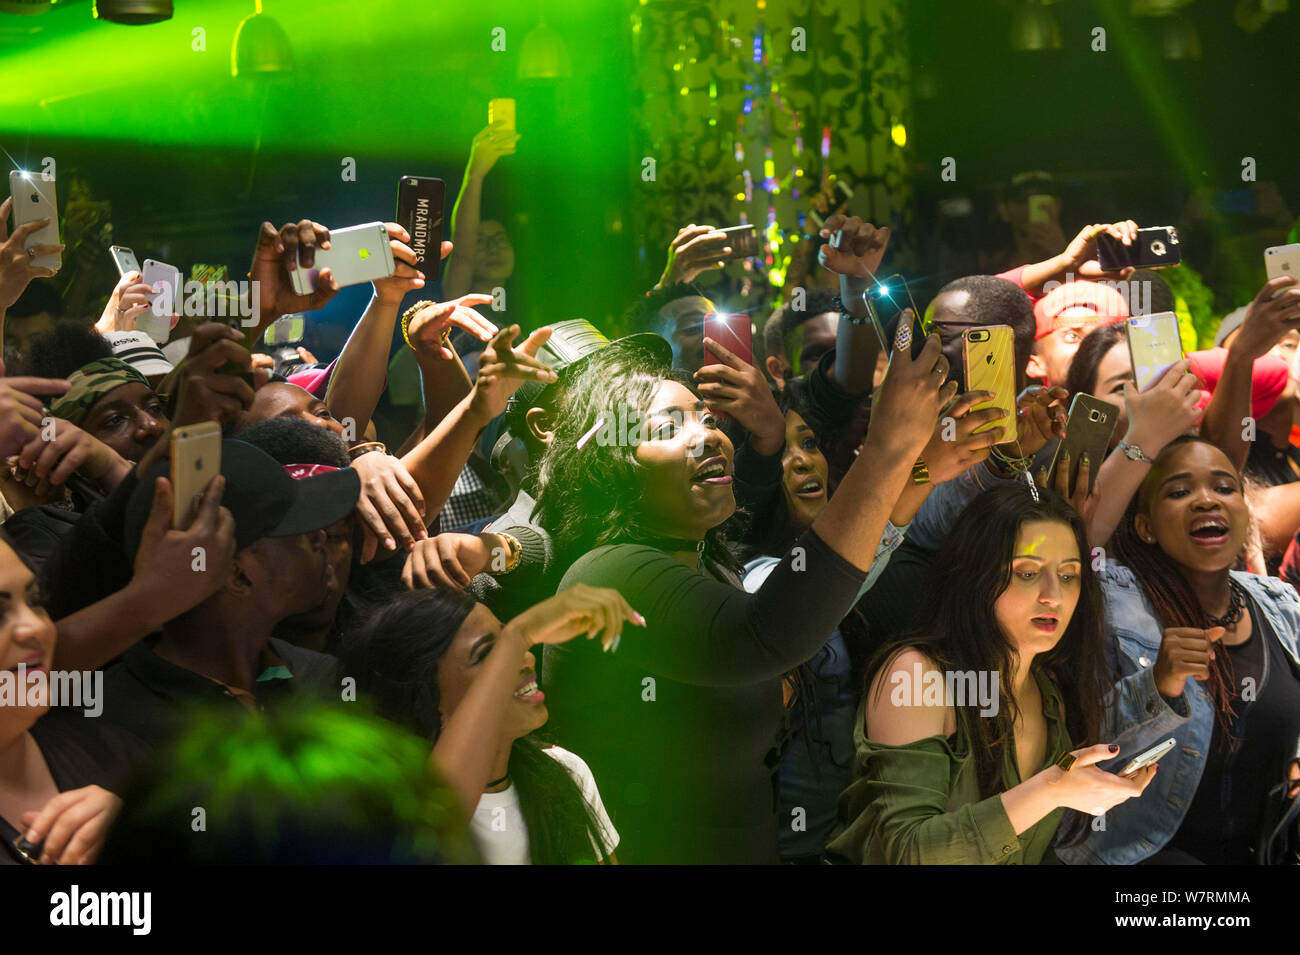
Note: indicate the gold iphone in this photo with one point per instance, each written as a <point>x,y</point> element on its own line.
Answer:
<point>989,355</point>
<point>196,460</point>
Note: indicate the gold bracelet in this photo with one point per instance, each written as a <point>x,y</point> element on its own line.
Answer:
<point>515,556</point>
<point>920,473</point>
<point>410,314</point>
<point>365,447</point>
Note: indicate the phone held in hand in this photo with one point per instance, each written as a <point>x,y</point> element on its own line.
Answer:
<point>359,253</point>
<point>732,332</point>
<point>501,112</point>
<point>1280,260</point>
<point>743,240</point>
<point>34,199</point>
<point>887,301</point>
<point>1149,758</point>
<point>1153,345</point>
<point>989,359</point>
<point>420,202</point>
<point>1088,430</point>
<point>124,259</point>
<point>1154,248</point>
<point>165,280</point>
<point>195,460</point>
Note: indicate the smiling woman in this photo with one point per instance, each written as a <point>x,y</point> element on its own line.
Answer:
<point>1205,654</point>
<point>683,725</point>
<point>53,767</point>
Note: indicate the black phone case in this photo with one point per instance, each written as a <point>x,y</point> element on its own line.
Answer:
<point>420,202</point>
<point>1153,248</point>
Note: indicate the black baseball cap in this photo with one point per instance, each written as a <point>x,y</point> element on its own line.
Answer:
<point>261,495</point>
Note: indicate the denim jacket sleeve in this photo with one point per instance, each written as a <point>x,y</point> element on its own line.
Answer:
<point>1136,711</point>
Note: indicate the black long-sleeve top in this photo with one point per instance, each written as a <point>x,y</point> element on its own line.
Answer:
<point>680,725</point>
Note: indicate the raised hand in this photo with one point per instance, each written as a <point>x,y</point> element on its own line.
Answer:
<point>207,383</point>
<point>21,409</point>
<point>502,369</point>
<point>1040,416</point>
<point>490,144</point>
<point>1274,312</point>
<point>1184,652</point>
<point>407,277</point>
<point>1164,411</point>
<point>594,611</point>
<point>71,450</point>
<point>429,326</point>
<point>16,268</point>
<point>1085,496</point>
<point>130,300</point>
<point>738,389</point>
<point>695,249</point>
<point>856,248</point>
<point>945,459</point>
<point>1080,256</point>
<point>907,403</point>
<point>391,505</point>
<point>164,574</point>
<point>279,252</point>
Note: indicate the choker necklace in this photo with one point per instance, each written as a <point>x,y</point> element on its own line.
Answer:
<point>1235,608</point>
<point>496,782</point>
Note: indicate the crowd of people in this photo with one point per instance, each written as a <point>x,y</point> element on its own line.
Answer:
<point>647,600</point>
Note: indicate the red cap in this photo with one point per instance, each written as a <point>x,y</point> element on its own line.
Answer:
<point>1267,381</point>
<point>1104,303</point>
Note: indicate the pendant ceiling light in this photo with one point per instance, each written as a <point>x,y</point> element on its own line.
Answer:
<point>261,46</point>
<point>133,12</point>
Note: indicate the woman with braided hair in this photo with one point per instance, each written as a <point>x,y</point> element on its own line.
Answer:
<point>1176,608</point>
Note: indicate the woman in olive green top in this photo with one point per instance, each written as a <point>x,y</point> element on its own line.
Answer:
<point>960,734</point>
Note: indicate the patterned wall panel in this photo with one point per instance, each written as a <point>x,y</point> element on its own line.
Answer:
<point>730,87</point>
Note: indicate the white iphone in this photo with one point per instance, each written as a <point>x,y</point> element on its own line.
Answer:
<point>33,197</point>
<point>360,253</point>
<point>165,280</point>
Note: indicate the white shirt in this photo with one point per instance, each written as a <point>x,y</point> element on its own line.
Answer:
<point>498,823</point>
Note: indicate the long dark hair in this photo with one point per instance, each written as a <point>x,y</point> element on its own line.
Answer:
<point>974,565</point>
<point>394,657</point>
<point>1096,345</point>
<point>592,495</point>
<point>1173,597</point>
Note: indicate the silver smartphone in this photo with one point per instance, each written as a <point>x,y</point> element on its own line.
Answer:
<point>33,197</point>
<point>1151,756</point>
<point>165,280</point>
<point>360,253</point>
<point>124,258</point>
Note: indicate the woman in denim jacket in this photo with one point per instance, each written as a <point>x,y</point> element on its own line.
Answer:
<point>1178,610</point>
